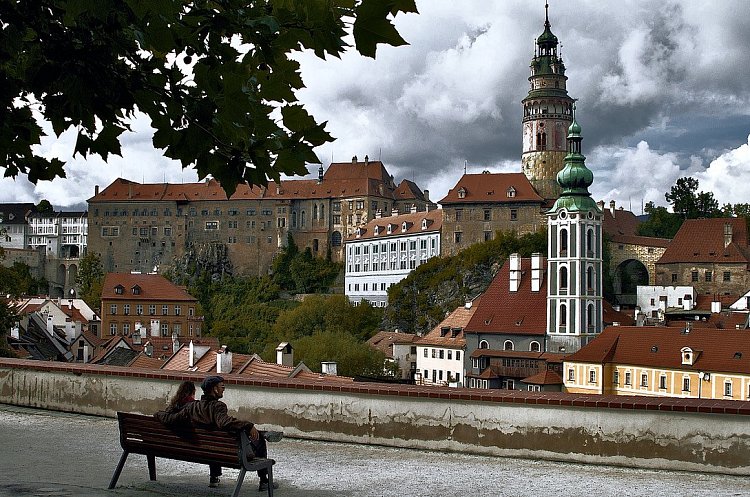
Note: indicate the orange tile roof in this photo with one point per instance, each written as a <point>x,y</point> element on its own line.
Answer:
<point>646,241</point>
<point>725,351</point>
<point>544,378</point>
<point>518,313</point>
<point>610,315</point>
<point>384,340</point>
<point>153,287</point>
<point>703,301</point>
<point>143,361</point>
<point>621,223</point>
<point>702,241</point>
<point>413,222</point>
<point>458,319</point>
<point>492,188</point>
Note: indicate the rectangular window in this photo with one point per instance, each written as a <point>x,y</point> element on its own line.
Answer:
<point>644,380</point>
<point>177,310</point>
<point>168,231</point>
<point>694,276</point>
<point>514,214</point>
<point>126,309</point>
<point>165,310</point>
<point>627,379</point>
<point>336,207</point>
<point>571,375</point>
<point>151,309</point>
<point>450,354</point>
<point>164,329</point>
<point>686,384</point>
<point>113,309</point>
<point>360,204</point>
<point>139,309</point>
<point>663,382</point>
<point>487,236</point>
<point>113,328</point>
<point>727,389</point>
<point>487,215</point>
<point>727,276</point>
<point>674,277</point>
<point>616,378</point>
<point>592,376</point>
<point>337,219</point>
<point>457,237</point>
<point>441,352</point>
<point>425,352</point>
<point>212,225</point>
<point>709,276</point>
<point>459,214</point>
<point>434,354</point>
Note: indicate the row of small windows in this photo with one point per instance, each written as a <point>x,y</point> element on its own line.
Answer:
<point>366,287</point>
<point>534,346</point>
<point>443,354</point>
<point>193,211</point>
<point>126,308</point>
<point>114,328</point>
<point>563,248</point>
<point>437,376</point>
<point>708,276</point>
<point>487,213</point>
<point>644,381</point>
<point>563,319</point>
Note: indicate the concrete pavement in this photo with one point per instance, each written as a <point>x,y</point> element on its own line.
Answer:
<point>47,453</point>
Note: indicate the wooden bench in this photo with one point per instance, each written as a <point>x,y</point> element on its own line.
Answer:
<point>146,435</point>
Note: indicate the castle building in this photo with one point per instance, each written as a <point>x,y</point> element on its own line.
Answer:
<point>574,263</point>
<point>143,227</point>
<point>61,235</point>
<point>547,114</point>
<point>385,250</point>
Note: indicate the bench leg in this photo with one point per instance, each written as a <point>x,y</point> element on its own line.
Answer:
<point>151,467</point>
<point>118,469</point>
<point>240,479</point>
<point>270,481</point>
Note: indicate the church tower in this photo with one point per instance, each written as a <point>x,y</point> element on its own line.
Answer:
<point>547,113</point>
<point>574,263</point>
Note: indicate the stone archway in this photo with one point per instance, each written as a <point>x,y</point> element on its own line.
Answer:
<point>627,276</point>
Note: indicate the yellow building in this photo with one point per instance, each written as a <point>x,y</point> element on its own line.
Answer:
<point>665,362</point>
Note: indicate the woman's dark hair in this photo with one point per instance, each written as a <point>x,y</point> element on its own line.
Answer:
<point>186,389</point>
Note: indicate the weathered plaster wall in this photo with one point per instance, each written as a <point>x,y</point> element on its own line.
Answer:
<point>653,433</point>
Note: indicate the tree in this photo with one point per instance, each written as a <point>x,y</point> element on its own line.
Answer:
<point>352,357</point>
<point>688,203</point>
<point>44,206</point>
<point>90,279</point>
<point>661,223</point>
<point>214,77</point>
<point>7,319</point>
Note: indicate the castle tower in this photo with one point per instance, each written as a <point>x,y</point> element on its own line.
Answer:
<point>547,113</point>
<point>574,264</point>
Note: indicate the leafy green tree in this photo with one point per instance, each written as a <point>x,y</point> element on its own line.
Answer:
<point>17,280</point>
<point>281,266</point>
<point>661,223</point>
<point>90,279</point>
<point>44,206</point>
<point>301,272</point>
<point>689,203</point>
<point>7,319</point>
<point>352,356</point>
<point>216,78</point>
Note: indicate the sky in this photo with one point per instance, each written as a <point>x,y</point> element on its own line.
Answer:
<point>663,89</point>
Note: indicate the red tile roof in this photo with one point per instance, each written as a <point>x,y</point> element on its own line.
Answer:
<point>458,319</point>
<point>519,313</point>
<point>413,222</point>
<point>621,223</point>
<point>152,287</point>
<point>384,340</point>
<point>611,316</point>
<point>544,378</point>
<point>492,188</point>
<point>725,351</point>
<point>702,241</point>
<point>646,241</point>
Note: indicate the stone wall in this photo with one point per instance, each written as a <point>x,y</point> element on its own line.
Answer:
<point>677,434</point>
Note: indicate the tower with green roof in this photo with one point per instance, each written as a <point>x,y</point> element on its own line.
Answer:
<point>547,113</point>
<point>574,262</point>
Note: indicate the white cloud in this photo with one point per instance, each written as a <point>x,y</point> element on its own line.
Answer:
<point>727,176</point>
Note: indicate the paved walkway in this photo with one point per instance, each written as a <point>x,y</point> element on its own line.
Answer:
<point>46,454</point>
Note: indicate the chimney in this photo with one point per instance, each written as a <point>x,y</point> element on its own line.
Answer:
<point>394,211</point>
<point>536,271</point>
<point>727,234</point>
<point>154,327</point>
<point>515,272</point>
<point>148,349</point>
<point>354,159</point>
<point>175,343</point>
<point>130,191</point>
<point>378,214</point>
<point>70,304</point>
<point>70,330</point>
<point>715,307</point>
<point>687,303</point>
<point>223,360</point>
<point>612,207</point>
<point>86,353</point>
<point>329,368</point>
<point>413,208</point>
<point>285,354</point>
<point>600,204</point>
<point>15,332</point>
<point>367,160</point>
<point>191,357</point>
<point>96,190</point>
<point>137,336</point>
<point>426,194</point>
<point>50,326</point>
<point>320,174</point>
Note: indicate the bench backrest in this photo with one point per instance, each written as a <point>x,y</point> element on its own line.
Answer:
<point>140,434</point>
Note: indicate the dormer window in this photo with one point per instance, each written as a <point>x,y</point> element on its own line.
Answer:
<point>376,231</point>
<point>462,192</point>
<point>511,192</point>
<point>688,356</point>
<point>424,224</point>
<point>359,232</point>
<point>136,290</point>
<point>403,226</point>
<point>119,290</point>
<point>390,228</point>
<point>444,330</point>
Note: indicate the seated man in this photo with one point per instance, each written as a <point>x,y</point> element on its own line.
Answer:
<point>211,413</point>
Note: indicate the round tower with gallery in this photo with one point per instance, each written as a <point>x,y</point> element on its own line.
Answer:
<point>547,114</point>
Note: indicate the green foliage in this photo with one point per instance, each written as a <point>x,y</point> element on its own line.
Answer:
<point>688,203</point>
<point>352,356</point>
<point>229,113</point>
<point>90,279</point>
<point>44,206</point>
<point>7,319</point>
<point>300,272</point>
<point>661,223</point>
<point>17,280</point>
<point>421,300</point>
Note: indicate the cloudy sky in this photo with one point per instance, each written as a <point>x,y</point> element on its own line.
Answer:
<point>663,91</point>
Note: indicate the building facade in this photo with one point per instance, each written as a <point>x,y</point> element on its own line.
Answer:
<point>385,250</point>
<point>665,362</point>
<point>14,224</point>
<point>144,227</point>
<point>147,305</point>
<point>62,235</point>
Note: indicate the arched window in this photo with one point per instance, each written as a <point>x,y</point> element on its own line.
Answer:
<point>315,211</point>
<point>302,219</point>
<point>544,141</point>
<point>563,315</point>
<point>484,344</point>
<point>336,239</point>
<point>563,242</point>
<point>563,279</point>
<point>508,345</point>
<point>322,211</point>
<point>590,242</point>
<point>535,347</point>
<point>294,219</point>
<point>538,141</point>
<point>590,278</point>
<point>590,317</point>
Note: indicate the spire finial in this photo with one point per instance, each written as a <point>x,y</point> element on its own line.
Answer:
<point>546,14</point>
